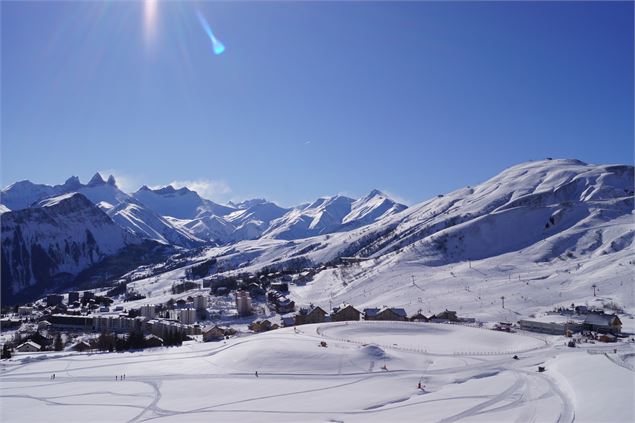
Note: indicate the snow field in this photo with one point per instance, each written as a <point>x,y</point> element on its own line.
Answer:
<point>300,381</point>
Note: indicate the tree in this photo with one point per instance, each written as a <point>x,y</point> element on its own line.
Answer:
<point>106,341</point>
<point>6,352</point>
<point>58,345</point>
<point>136,340</point>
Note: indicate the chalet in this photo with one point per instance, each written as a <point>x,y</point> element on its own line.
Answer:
<point>607,337</point>
<point>81,346</point>
<point>445,316</point>
<point>391,313</point>
<point>386,313</point>
<point>603,323</point>
<point>310,315</point>
<point>345,312</point>
<point>28,346</point>
<point>281,303</point>
<point>280,286</point>
<point>418,317</point>
<point>152,341</point>
<point>262,326</point>
<point>288,320</point>
<point>214,333</point>
<point>371,313</point>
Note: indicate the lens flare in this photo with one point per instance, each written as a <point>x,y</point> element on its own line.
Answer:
<point>150,9</point>
<point>217,46</point>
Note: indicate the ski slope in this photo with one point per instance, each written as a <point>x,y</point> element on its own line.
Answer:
<point>349,380</point>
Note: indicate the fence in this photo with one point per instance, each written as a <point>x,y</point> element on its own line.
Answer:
<point>417,349</point>
<point>615,358</point>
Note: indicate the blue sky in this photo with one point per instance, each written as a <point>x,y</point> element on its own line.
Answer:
<point>309,98</point>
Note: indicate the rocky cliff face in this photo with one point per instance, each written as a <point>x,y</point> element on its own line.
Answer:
<point>52,241</point>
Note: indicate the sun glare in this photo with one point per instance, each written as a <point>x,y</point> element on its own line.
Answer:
<point>150,19</point>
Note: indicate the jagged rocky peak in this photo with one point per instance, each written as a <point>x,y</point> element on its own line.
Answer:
<point>97,179</point>
<point>166,190</point>
<point>112,181</point>
<point>72,183</point>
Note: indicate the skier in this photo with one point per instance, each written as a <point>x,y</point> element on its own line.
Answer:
<point>256,373</point>
<point>116,377</point>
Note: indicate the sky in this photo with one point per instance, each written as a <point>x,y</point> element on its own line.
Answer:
<point>311,99</point>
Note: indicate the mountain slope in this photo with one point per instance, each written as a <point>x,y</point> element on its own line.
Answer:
<point>123,208</point>
<point>559,225</point>
<point>55,240</point>
<point>333,214</point>
<point>180,203</point>
<point>145,223</point>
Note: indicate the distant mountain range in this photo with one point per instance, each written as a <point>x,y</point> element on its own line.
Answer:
<point>45,229</point>
<point>550,209</point>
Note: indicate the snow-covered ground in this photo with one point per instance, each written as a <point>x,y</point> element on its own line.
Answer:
<point>369,371</point>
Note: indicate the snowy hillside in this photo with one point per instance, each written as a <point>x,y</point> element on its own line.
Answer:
<point>54,240</point>
<point>540,233</point>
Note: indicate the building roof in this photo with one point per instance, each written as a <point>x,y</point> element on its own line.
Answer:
<point>371,312</point>
<point>601,319</point>
<point>32,344</point>
<point>343,307</point>
<point>398,311</point>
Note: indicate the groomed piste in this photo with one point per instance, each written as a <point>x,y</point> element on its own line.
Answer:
<point>371,371</point>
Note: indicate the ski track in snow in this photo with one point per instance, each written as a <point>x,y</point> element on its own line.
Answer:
<point>513,388</point>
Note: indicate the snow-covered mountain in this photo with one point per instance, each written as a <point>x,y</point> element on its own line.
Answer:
<point>147,224</point>
<point>181,203</point>
<point>183,218</point>
<point>333,214</point>
<point>551,214</point>
<point>121,207</point>
<point>54,240</point>
<point>562,224</point>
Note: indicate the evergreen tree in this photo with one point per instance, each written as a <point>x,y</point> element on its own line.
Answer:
<point>6,352</point>
<point>58,345</point>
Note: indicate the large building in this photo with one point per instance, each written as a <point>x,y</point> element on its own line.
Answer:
<point>186,316</point>
<point>148,310</point>
<point>54,299</point>
<point>200,302</point>
<point>243,303</point>
<point>73,296</point>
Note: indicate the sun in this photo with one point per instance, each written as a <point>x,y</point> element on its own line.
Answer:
<point>150,15</point>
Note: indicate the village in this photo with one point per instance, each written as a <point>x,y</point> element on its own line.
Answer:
<point>219,308</point>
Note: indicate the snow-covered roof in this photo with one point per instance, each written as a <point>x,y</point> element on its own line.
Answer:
<point>599,319</point>
<point>371,312</point>
<point>31,343</point>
